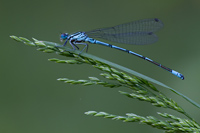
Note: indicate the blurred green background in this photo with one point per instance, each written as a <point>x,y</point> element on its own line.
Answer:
<point>33,101</point>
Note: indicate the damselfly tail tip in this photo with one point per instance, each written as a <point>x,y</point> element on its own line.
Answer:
<point>178,74</point>
<point>182,77</point>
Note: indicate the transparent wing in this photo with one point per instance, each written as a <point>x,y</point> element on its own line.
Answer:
<point>137,32</point>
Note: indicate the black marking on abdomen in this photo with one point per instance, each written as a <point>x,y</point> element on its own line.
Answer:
<point>127,51</point>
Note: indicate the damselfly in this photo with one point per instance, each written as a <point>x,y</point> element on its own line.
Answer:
<point>137,32</point>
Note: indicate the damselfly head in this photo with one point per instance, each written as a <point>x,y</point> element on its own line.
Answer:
<point>63,36</point>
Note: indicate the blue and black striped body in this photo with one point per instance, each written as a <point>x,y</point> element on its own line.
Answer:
<point>137,32</point>
<point>138,55</point>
